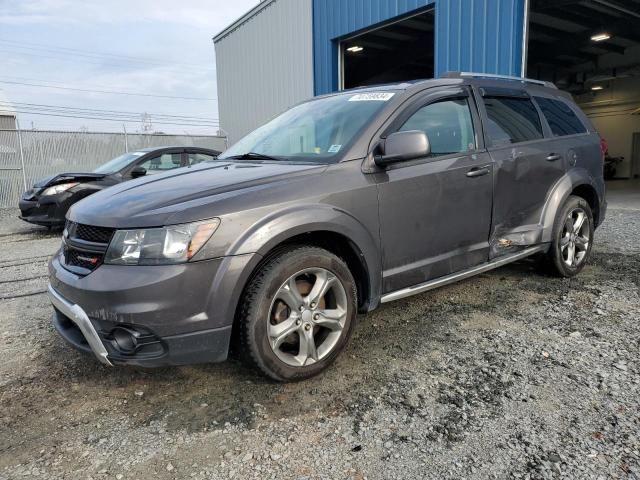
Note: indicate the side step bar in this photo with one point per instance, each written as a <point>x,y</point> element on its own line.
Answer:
<point>455,277</point>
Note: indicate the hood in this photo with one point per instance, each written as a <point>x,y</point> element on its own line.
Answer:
<point>182,195</point>
<point>67,177</point>
<point>43,182</point>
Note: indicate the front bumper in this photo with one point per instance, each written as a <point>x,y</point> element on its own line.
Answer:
<point>179,314</point>
<point>602,213</point>
<point>80,319</point>
<point>46,211</point>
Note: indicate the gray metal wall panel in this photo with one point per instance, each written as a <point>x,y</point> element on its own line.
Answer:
<point>7,122</point>
<point>264,65</point>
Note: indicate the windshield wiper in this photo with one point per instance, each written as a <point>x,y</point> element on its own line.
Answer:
<point>252,156</point>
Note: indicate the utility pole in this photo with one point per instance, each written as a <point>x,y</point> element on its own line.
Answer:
<point>24,173</point>
<point>126,140</point>
<point>223,133</point>
<point>147,126</point>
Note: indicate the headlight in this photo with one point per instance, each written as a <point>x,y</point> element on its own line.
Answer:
<point>158,246</point>
<point>63,187</point>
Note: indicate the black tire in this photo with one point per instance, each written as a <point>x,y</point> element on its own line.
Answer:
<point>555,261</point>
<point>255,311</point>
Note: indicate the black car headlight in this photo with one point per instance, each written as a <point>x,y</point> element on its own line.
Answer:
<point>159,246</point>
<point>62,187</point>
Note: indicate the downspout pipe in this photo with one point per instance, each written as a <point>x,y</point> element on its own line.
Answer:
<point>525,39</point>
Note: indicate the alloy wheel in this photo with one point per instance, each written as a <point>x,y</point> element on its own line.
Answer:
<point>575,237</point>
<point>307,317</point>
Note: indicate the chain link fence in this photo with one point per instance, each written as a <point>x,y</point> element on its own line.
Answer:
<point>29,155</point>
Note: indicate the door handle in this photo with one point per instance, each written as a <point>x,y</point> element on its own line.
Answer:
<point>477,172</point>
<point>552,157</point>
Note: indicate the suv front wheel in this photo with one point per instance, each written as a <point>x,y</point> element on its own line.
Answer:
<point>297,313</point>
<point>572,238</point>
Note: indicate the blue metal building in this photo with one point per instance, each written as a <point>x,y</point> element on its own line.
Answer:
<point>294,49</point>
<point>285,51</point>
<point>470,35</point>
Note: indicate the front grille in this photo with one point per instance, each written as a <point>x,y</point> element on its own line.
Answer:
<point>81,259</point>
<point>85,246</point>
<point>92,234</point>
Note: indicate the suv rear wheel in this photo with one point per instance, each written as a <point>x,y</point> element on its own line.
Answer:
<point>297,313</point>
<point>572,238</point>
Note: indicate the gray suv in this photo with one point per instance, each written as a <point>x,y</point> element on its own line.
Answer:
<point>339,204</point>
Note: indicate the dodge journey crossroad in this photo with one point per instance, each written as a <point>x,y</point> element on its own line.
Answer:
<point>339,204</point>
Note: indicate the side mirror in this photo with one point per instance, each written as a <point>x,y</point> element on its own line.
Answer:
<point>138,172</point>
<point>400,146</point>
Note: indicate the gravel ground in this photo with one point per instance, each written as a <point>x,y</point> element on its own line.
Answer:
<point>507,375</point>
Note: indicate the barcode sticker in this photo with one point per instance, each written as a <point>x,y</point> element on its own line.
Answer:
<point>372,97</point>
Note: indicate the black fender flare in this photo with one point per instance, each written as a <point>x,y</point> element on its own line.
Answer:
<point>558,196</point>
<point>279,226</point>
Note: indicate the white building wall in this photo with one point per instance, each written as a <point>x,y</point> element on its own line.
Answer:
<point>251,55</point>
<point>615,113</point>
<point>7,114</point>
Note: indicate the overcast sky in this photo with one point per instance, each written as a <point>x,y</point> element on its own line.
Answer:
<point>155,47</point>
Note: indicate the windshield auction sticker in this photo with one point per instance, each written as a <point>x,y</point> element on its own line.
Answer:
<point>372,97</point>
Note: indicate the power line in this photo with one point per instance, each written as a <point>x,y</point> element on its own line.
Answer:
<point>136,119</point>
<point>54,56</point>
<point>117,119</point>
<point>62,109</point>
<point>93,86</point>
<point>91,54</point>
<point>108,92</point>
<point>98,61</point>
<point>106,116</point>
<point>110,115</point>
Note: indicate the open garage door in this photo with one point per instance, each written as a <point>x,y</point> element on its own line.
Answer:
<point>402,50</point>
<point>591,48</point>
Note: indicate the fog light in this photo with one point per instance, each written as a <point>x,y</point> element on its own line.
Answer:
<point>125,340</point>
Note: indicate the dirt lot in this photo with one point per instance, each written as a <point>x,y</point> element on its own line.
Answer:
<point>507,375</point>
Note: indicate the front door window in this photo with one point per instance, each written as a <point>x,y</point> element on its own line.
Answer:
<point>448,125</point>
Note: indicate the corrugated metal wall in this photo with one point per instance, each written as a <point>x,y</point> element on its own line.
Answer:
<point>333,19</point>
<point>7,121</point>
<point>479,36</point>
<point>264,65</point>
<point>285,51</point>
<point>472,35</point>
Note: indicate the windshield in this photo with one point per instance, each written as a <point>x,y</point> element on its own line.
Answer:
<point>316,131</point>
<point>118,163</point>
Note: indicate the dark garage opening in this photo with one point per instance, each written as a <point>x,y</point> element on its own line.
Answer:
<point>591,48</point>
<point>403,50</point>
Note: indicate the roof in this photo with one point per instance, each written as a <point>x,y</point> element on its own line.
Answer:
<point>450,78</point>
<point>164,147</point>
<point>243,19</point>
<point>6,108</point>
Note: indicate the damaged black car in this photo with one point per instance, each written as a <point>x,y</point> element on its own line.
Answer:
<point>47,202</point>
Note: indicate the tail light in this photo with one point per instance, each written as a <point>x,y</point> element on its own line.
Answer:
<point>604,147</point>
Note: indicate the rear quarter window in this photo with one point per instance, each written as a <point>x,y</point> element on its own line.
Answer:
<point>561,118</point>
<point>512,120</point>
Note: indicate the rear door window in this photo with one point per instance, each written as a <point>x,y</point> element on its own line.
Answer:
<point>194,158</point>
<point>512,120</point>
<point>448,125</point>
<point>561,119</point>
<point>162,163</point>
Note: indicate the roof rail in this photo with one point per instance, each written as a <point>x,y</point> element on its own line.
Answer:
<point>498,77</point>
